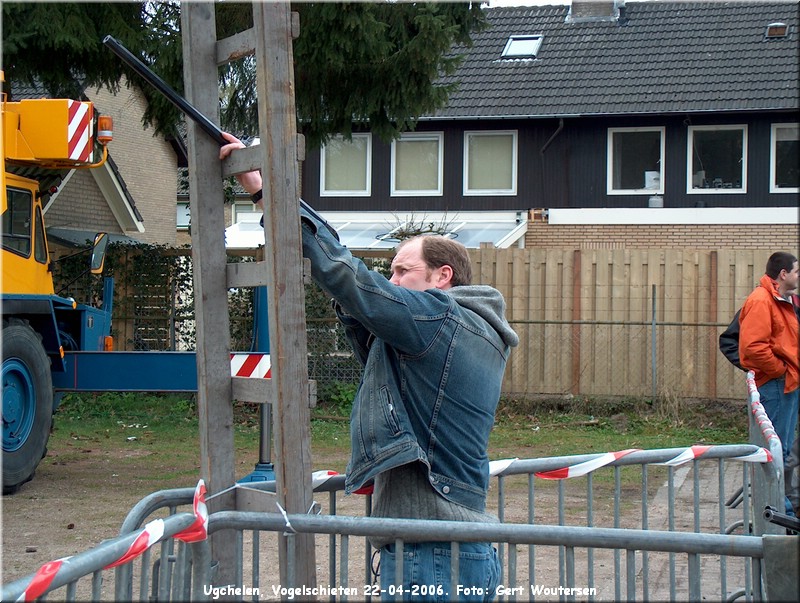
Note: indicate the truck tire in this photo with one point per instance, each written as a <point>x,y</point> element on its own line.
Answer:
<point>27,403</point>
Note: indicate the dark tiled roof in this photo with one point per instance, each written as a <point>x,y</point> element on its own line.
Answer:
<point>668,57</point>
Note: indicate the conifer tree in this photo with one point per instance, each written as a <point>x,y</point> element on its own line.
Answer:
<point>357,64</point>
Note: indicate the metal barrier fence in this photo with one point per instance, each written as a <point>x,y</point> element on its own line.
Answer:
<point>634,524</point>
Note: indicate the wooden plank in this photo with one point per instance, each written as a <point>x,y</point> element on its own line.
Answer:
<point>236,46</point>
<point>619,295</point>
<point>246,274</point>
<point>214,406</point>
<point>519,311</point>
<point>575,331</point>
<point>687,337</point>
<point>713,339</point>
<point>537,293</point>
<point>605,380</point>
<point>287,324</point>
<point>672,300</point>
<point>553,341</point>
<point>251,389</point>
<point>637,312</point>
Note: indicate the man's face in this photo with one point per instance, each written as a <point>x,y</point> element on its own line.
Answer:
<point>791,278</point>
<point>410,271</point>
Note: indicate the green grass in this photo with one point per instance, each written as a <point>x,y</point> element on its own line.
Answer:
<point>169,422</point>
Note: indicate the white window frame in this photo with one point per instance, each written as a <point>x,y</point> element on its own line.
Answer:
<point>366,192</point>
<point>773,141</point>
<point>610,190</point>
<point>186,212</point>
<point>514,154</point>
<point>439,138</point>
<point>690,159</point>
<point>242,210</point>
<point>522,41</point>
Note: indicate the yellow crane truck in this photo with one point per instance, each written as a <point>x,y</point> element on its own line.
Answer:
<point>37,135</point>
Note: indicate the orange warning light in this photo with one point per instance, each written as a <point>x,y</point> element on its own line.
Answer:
<point>105,129</point>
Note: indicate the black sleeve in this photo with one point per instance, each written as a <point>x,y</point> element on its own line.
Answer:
<point>729,342</point>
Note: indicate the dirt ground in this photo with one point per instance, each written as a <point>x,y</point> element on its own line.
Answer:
<point>79,498</point>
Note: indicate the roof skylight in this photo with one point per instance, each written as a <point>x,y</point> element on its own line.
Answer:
<point>776,30</point>
<point>522,47</point>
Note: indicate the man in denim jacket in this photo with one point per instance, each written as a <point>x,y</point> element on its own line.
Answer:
<point>434,349</point>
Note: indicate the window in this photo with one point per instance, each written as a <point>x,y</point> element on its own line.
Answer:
<point>246,212</point>
<point>17,222</point>
<point>784,159</point>
<point>717,159</point>
<point>417,164</point>
<point>490,163</point>
<point>776,30</point>
<point>635,163</point>
<point>345,168</point>
<point>39,242</point>
<point>184,216</point>
<point>522,47</point>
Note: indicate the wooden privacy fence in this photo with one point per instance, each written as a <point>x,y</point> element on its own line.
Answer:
<point>594,322</point>
<point>621,322</point>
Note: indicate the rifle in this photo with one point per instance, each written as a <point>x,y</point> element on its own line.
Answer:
<point>208,126</point>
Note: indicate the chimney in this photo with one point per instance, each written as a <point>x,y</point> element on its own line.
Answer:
<point>582,11</point>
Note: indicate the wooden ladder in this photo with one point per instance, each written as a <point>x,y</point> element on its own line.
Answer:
<point>281,148</point>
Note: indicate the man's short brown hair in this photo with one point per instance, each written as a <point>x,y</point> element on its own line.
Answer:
<point>438,251</point>
<point>780,260</point>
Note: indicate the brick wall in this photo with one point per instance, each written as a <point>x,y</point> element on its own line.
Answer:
<point>80,205</point>
<point>588,236</point>
<point>146,162</point>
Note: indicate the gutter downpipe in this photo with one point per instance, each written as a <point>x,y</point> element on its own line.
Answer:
<point>541,155</point>
<point>553,136</point>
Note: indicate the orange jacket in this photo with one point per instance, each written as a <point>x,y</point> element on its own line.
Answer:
<point>769,334</point>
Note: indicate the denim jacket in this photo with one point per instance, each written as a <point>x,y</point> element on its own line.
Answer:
<point>433,367</point>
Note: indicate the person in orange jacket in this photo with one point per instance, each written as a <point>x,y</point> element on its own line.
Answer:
<point>768,345</point>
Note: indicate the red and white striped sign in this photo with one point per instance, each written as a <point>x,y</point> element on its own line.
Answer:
<point>251,365</point>
<point>79,131</point>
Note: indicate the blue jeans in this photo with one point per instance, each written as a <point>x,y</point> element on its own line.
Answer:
<point>781,408</point>
<point>426,572</point>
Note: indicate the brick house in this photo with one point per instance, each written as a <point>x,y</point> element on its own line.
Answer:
<point>601,124</point>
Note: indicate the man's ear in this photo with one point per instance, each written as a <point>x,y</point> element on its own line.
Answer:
<point>445,277</point>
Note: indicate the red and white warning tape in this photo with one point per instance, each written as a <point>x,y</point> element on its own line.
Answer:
<point>147,537</point>
<point>759,414</point>
<point>586,466</point>
<point>41,580</point>
<point>762,455</point>
<point>320,477</point>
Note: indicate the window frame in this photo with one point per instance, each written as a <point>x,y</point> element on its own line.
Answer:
<point>773,140</point>
<point>187,212</point>
<point>485,192</point>
<point>240,209</point>
<point>26,253</point>
<point>367,191</point>
<point>610,190</point>
<point>690,190</point>
<point>536,39</point>
<point>439,138</point>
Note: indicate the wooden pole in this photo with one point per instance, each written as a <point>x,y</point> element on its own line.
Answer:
<point>210,285</point>
<point>272,23</point>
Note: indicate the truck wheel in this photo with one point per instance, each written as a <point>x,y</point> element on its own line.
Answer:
<point>27,403</point>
